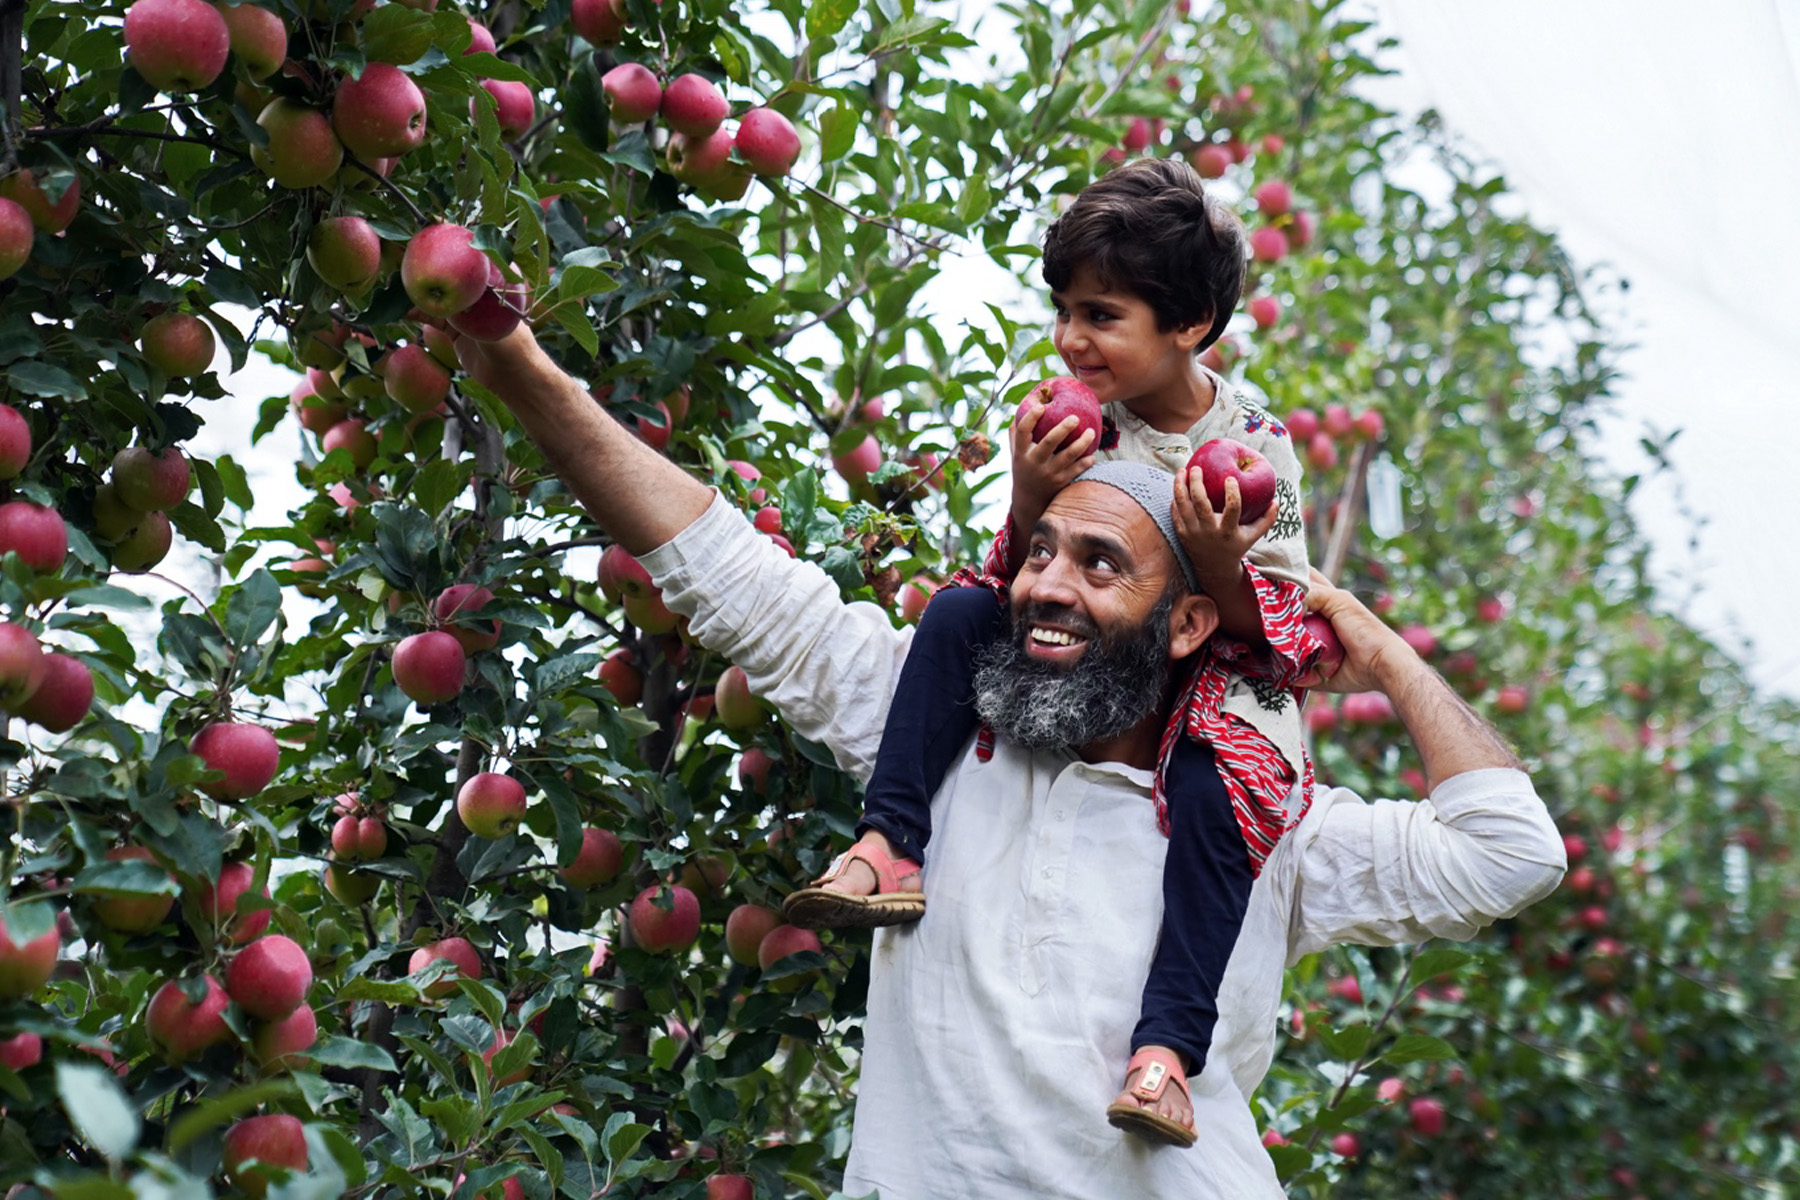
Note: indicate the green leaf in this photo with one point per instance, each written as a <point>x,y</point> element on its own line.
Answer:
<point>97,1108</point>
<point>352,1053</point>
<point>255,605</point>
<point>622,1138</point>
<point>1347,1043</point>
<point>825,18</point>
<point>1439,960</point>
<point>837,132</point>
<point>1418,1047</point>
<point>42,379</point>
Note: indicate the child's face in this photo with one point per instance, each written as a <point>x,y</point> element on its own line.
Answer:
<point>1108,339</point>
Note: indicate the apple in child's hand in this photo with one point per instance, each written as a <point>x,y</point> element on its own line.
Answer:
<point>1224,458</point>
<point>1064,397</point>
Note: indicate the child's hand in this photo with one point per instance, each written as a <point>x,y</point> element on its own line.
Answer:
<point>1215,540</point>
<point>1038,470</point>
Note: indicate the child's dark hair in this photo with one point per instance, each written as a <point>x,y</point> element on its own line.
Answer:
<point>1150,229</point>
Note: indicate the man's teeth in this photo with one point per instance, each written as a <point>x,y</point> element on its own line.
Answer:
<point>1054,637</point>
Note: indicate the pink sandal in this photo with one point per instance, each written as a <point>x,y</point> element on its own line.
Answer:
<point>817,907</point>
<point>1160,1068</point>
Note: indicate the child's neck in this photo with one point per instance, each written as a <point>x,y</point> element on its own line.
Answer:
<point>1177,408</point>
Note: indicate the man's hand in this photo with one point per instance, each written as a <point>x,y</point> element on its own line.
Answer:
<point>1373,653</point>
<point>1450,736</point>
<point>502,366</point>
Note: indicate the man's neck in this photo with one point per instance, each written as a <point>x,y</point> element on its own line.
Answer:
<point>1137,746</point>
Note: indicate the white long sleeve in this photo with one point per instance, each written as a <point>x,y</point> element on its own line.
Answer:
<point>827,666</point>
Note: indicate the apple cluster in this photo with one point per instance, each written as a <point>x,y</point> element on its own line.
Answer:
<point>1317,436</point>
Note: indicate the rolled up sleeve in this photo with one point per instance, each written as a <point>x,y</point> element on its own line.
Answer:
<point>1481,848</point>
<point>828,667</point>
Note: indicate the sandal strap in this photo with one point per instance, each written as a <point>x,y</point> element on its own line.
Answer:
<point>1161,1067</point>
<point>888,870</point>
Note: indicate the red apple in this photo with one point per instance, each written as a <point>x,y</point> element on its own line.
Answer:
<point>429,667</point>
<point>1345,1145</point>
<point>458,952</point>
<point>414,379</point>
<point>26,966</point>
<point>1273,199</point>
<point>1300,230</point>
<point>498,310</point>
<point>1211,161</point>
<point>132,912</point>
<point>502,1039</point>
<point>621,575</point>
<point>351,888</point>
<point>856,464</point>
<point>303,150</point>
<point>16,235</point>
<point>269,977</point>
<point>1320,714</point>
<point>745,930</point>
<point>21,1051</point>
<point>1490,610</point>
<point>694,105</point>
<point>1331,654</point>
<point>665,919</point>
<point>218,903</point>
<point>345,252</point>
<point>255,1144</point>
<point>915,594</point>
<point>1422,640</point>
<point>1064,397</point>
<point>151,481</point>
<point>599,861</point>
<point>1427,1115</point>
<point>178,343</point>
<point>246,754</point>
<point>1337,421</point>
<point>458,607</point>
<point>491,804</point>
<point>442,270</point>
<point>1345,987</point>
<point>1391,1090</point>
<point>176,45</point>
<point>783,941</point>
<point>634,93</point>
<point>1513,698</point>
<point>1222,459</point>
<point>753,770</point>
<point>767,520</point>
<point>1369,426</point>
<point>1322,451</point>
<point>62,697</point>
<point>1367,708</point>
<point>1272,1137</point>
<point>282,1045</point>
<point>352,436</point>
<point>514,106</point>
<point>258,38</point>
<point>730,1187</point>
<point>15,441</point>
<point>620,676</point>
<point>769,143</point>
<point>1137,136</point>
<point>1268,244</point>
<point>599,21</point>
<point>1265,311</point>
<point>182,1028</point>
<point>481,39</point>
<point>22,188</point>
<point>705,162</point>
<point>1302,424</point>
<point>379,114</point>
<point>22,665</point>
<point>737,707</point>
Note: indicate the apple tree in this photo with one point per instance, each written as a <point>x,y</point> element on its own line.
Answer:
<point>403,843</point>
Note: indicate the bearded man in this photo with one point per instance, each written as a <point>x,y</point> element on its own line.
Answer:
<point>999,1024</point>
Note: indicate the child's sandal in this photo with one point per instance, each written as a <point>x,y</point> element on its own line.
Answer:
<point>1160,1068</point>
<point>818,907</point>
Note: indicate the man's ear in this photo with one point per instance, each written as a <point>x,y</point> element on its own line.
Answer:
<point>1191,622</point>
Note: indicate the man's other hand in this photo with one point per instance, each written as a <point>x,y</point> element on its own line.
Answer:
<point>1373,654</point>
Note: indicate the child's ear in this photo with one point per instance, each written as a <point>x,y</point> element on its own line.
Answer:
<point>1189,337</point>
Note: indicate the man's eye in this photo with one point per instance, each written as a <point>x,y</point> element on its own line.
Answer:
<point>1102,563</point>
<point>1038,550</point>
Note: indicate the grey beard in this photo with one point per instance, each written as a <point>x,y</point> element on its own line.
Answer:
<point>1115,684</point>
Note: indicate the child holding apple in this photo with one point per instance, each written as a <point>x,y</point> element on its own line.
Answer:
<point>1145,271</point>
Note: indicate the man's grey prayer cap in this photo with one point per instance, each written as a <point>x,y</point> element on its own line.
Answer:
<point>1154,490</point>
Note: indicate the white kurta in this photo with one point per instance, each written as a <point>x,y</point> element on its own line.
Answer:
<point>1000,1024</point>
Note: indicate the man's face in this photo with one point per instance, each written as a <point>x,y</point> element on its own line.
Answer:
<point>1094,626</point>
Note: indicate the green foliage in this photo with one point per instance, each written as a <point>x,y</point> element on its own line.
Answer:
<point>1638,1022</point>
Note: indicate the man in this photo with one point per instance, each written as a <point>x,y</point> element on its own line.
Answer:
<point>998,1025</point>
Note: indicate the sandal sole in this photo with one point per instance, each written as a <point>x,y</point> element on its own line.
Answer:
<point>819,908</point>
<point>1154,1126</point>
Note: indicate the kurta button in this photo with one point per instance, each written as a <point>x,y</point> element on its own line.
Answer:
<point>1046,872</point>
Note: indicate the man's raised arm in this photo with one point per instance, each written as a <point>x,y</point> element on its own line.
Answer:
<point>639,497</point>
<point>1480,847</point>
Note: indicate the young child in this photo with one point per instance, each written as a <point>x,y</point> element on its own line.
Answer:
<point>1145,270</point>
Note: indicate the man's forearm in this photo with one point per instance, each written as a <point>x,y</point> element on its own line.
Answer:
<point>635,494</point>
<point>1450,736</point>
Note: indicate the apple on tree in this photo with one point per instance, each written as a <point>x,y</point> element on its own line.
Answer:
<point>218,903</point>
<point>255,1144</point>
<point>27,964</point>
<point>151,480</point>
<point>442,270</point>
<point>125,912</point>
<point>16,235</point>
<point>281,1045</point>
<point>429,667</point>
<point>598,862</point>
<point>737,707</point>
<point>176,45</point>
<point>269,977</point>
<point>633,92</point>
<point>768,142</point>
<point>693,104</point>
<point>456,951</point>
<point>22,665</point>
<point>745,928</point>
<point>62,697</point>
<point>303,150</point>
<point>245,755</point>
<point>23,187</point>
<point>345,252</point>
<point>664,918</point>
<point>491,804</point>
<point>599,21</point>
<point>182,1026</point>
<point>514,106</point>
<point>259,39</point>
<point>380,113</point>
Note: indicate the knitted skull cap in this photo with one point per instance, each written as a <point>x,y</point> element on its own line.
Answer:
<point>1154,490</point>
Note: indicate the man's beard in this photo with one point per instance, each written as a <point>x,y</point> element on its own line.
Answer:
<point>1117,682</point>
